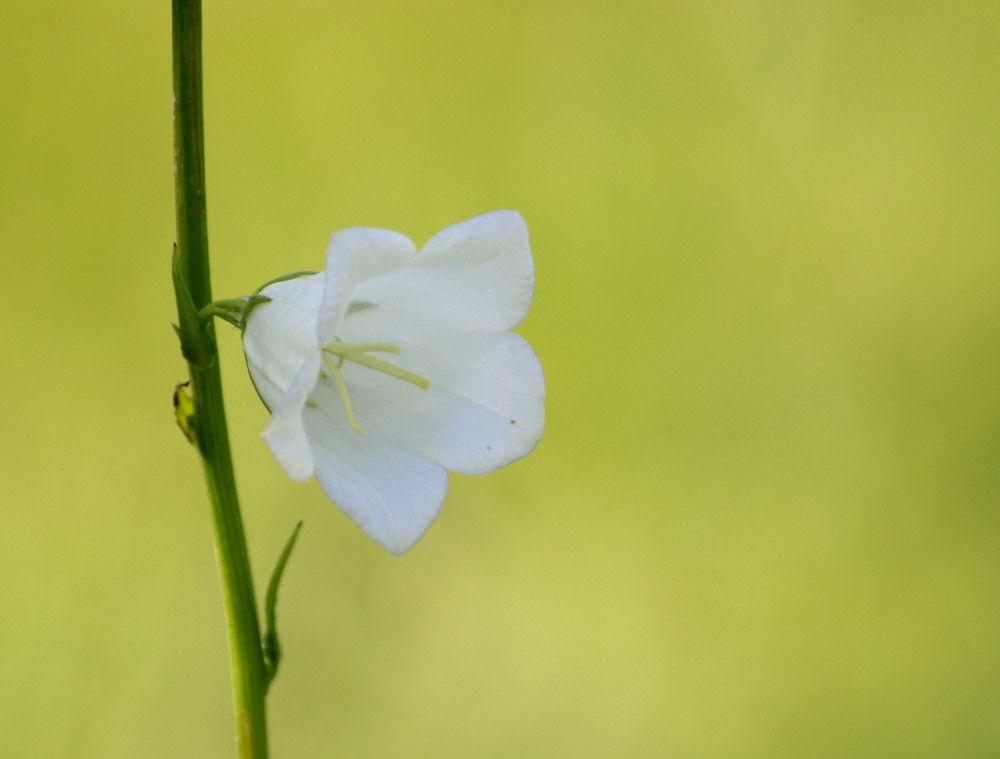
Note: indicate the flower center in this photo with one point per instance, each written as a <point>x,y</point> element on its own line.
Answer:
<point>359,354</point>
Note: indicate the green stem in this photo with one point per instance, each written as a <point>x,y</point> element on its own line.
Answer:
<point>209,418</point>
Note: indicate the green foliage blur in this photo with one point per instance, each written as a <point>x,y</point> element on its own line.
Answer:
<point>763,519</point>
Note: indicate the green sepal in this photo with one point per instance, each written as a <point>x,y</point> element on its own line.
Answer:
<point>237,310</point>
<point>233,310</point>
<point>270,645</point>
<point>189,330</point>
<point>285,278</point>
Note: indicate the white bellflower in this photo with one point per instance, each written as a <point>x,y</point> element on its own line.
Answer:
<point>394,366</point>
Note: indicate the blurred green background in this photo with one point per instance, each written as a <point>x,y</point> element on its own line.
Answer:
<point>763,519</point>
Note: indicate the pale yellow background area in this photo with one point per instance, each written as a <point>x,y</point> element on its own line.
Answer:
<point>763,519</point>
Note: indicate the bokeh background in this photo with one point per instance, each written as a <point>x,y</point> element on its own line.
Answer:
<point>763,519</point>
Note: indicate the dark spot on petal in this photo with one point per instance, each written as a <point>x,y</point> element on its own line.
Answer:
<point>512,421</point>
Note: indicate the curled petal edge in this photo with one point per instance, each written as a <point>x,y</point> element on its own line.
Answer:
<point>285,433</point>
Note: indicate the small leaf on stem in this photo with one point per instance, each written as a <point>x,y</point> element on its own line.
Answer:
<point>270,644</point>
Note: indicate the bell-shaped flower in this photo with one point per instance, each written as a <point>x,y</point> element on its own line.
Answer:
<point>394,366</point>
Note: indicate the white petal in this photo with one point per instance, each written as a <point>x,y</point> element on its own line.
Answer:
<point>478,272</point>
<point>484,408</point>
<point>353,256</point>
<point>285,433</point>
<point>392,494</point>
<point>283,361</point>
<point>279,335</point>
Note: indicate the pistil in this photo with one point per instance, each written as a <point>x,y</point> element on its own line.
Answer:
<point>359,354</point>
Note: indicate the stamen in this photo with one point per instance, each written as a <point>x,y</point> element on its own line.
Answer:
<point>391,369</point>
<point>340,348</point>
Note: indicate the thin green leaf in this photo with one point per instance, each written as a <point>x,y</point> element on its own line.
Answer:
<point>271,645</point>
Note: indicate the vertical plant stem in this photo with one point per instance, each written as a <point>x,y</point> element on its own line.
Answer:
<point>212,439</point>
